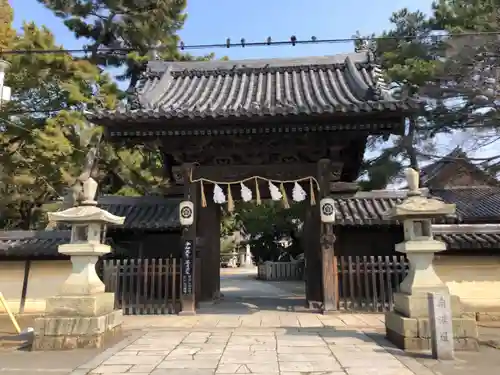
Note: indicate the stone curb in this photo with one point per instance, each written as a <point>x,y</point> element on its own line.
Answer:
<point>108,353</point>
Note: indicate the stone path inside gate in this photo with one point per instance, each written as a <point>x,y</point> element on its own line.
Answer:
<point>259,328</point>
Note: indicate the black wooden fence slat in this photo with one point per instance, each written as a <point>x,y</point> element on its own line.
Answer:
<point>143,286</point>
<point>359,285</point>
<point>366,276</point>
<point>368,283</point>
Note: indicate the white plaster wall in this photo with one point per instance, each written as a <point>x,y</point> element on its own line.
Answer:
<point>45,279</point>
<point>475,279</point>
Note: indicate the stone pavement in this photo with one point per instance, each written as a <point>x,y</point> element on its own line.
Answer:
<point>259,328</point>
<point>285,351</point>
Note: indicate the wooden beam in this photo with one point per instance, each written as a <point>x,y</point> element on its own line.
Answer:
<point>188,265</point>
<point>327,238</point>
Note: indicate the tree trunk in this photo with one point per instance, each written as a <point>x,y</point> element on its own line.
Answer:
<point>409,144</point>
<point>26,215</point>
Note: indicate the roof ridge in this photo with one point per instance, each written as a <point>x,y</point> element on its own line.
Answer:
<point>161,66</point>
<point>465,187</point>
<point>135,200</point>
<point>465,228</point>
<point>385,193</point>
<point>40,234</point>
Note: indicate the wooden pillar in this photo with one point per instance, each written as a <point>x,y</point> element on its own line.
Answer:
<point>204,218</point>
<point>313,258</point>
<point>209,229</point>
<point>189,248</point>
<point>215,266</point>
<point>327,239</point>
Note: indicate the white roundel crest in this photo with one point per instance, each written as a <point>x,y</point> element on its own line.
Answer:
<point>186,213</point>
<point>327,209</point>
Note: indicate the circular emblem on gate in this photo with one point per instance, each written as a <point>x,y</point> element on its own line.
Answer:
<point>327,209</point>
<point>186,212</point>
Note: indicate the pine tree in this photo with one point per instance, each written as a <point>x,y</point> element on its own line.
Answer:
<point>7,33</point>
<point>45,136</point>
<point>409,64</point>
<point>134,26</point>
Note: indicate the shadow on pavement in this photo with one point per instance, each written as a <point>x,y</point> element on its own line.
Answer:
<point>244,294</point>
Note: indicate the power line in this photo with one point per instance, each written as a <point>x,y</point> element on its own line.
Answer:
<point>293,41</point>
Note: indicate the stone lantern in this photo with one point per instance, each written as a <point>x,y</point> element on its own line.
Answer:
<point>82,315</point>
<point>4,90</point>
<point>408,325</point>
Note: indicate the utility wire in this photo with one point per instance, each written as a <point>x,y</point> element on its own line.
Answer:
<point>293,41</point>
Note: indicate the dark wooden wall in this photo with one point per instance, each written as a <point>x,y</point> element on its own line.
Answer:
<point>367,240</point>
<point>142,244</point>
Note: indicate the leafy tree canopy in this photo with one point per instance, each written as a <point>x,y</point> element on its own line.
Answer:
<point>43,151</point>
<point>265,225</point>
<point>456,78</point>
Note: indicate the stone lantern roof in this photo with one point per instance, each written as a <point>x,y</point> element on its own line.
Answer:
<point>417,206</point>
<point>88,211</point>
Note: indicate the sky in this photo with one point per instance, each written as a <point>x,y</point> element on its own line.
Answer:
<point>214,21</point>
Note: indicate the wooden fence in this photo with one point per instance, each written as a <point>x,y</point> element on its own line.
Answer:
<point>368,283</point>
<point>143,286</point>
<point>274,271</point>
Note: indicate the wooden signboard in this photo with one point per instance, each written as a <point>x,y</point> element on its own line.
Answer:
<point>188,252</point>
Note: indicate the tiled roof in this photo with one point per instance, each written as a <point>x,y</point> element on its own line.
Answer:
<point>364,211</point>
<point>457,241</point>
<point>463,236</point>
<point>457,157</point>
<point>144,213</point>
<point>430,171</point>
<point>268,87</point>
<point>20,243</point>
<point>474,203</point>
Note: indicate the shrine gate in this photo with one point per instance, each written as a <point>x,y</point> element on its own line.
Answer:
<point>269,123</point>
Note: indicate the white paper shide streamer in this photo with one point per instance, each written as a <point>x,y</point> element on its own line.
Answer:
<point>298,194</point>
<point>275,192</point>
<point>219,196</point>
<point>246,193</point>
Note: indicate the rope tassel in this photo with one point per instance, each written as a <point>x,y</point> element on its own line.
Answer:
<point>286,204</point>
<point>230,201</point>
<point>203,197</point>
<point>257,192</point>
<point>311,193</point>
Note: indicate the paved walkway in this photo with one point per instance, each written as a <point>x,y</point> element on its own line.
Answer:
<point>260,328</point>
<point>257,329</point>
<point>256,351</point>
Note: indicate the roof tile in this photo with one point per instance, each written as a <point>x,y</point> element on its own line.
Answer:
<point>473,202</point>
<point>144,213</point>
<point>456,241</point>
<point>269,87</point>
<point>19,243</point>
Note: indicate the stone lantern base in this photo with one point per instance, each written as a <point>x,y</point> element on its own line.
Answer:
<point>408,325</point>
<point>73,322</point>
